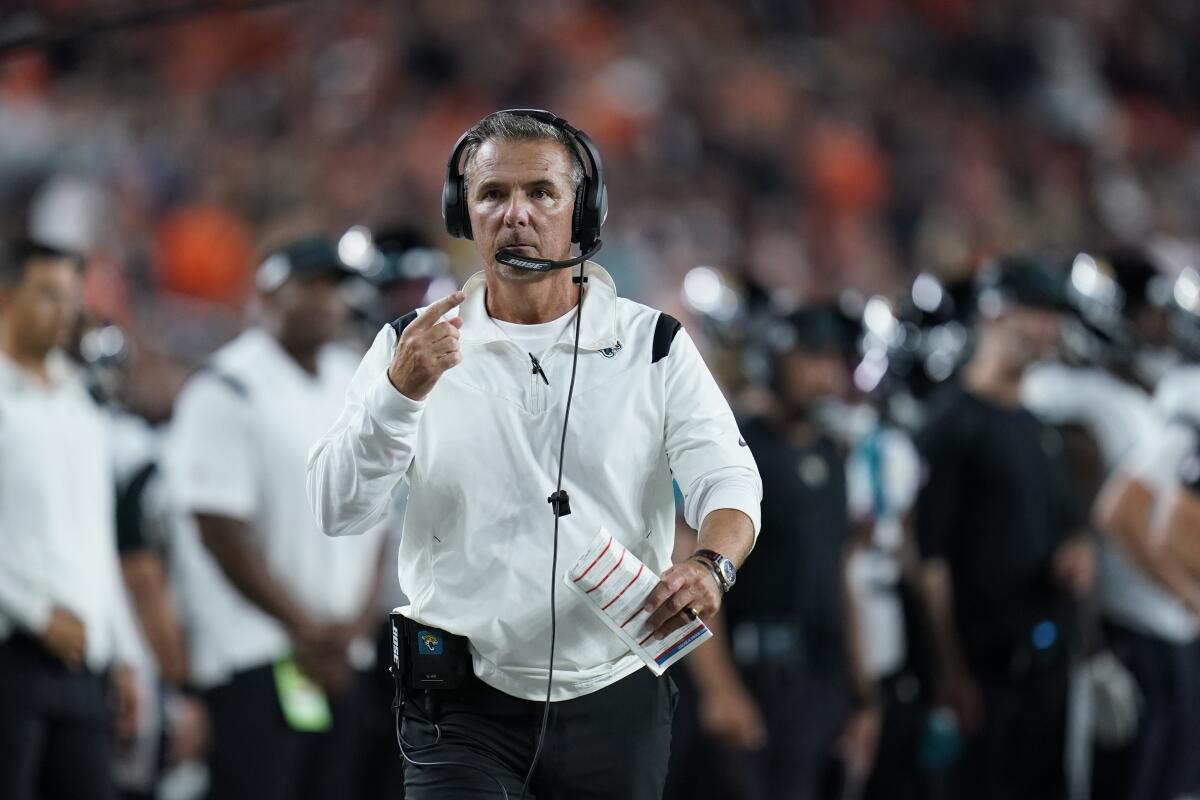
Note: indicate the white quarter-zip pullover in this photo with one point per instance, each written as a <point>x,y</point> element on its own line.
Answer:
<point>480,455</point>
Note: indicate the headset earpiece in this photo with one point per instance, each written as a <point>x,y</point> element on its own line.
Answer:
<point>577,215</point>
<point>464,216</point>
<point>454,195</point>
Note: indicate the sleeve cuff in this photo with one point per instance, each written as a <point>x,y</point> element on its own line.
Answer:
<point>392,409</point>
<point>738,494</point>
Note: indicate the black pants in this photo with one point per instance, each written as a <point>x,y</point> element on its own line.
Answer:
<point>803,710</point>
<point>897,773</point>
<point>612,743</point>
<point>256,755</point>
<point>1161,762</point>
<point>56,727</point>
<point>1019,750</point>
<point>701,768</point>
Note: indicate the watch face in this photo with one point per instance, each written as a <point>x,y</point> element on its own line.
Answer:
<point>727,571</point>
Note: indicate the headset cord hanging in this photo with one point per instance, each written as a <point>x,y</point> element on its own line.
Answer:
<point>560,502</point>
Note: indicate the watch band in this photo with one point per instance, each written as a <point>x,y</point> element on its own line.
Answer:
<point>713,560</point>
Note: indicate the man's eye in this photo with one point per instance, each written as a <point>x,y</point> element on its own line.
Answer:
<point>491,194</point>
<point>540,194</point>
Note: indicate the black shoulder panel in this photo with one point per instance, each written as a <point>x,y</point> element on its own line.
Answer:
<point>664,333</point>
<point>400,323</point>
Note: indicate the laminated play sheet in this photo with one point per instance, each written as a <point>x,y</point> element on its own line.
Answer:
<point>614,584</point>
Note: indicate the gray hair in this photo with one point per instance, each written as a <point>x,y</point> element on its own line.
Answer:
<point>502,126</point>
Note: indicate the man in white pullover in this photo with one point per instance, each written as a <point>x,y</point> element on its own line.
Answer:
<point>464,400</point>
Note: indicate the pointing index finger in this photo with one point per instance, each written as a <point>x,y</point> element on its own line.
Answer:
<point>434,311</point>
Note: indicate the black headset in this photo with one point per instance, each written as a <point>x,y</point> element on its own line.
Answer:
<point>591,197</point>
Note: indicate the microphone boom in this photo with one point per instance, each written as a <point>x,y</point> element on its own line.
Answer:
<point>509,258</point>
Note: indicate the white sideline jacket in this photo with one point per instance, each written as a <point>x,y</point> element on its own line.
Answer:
<point>480,455</point>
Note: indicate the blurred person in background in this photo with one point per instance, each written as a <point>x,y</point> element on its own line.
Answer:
<point>400,269</point>
<point>137,387</point>
<point>281,653</point>
<point>1178,526</point>
<point>1004,557</point>
<point>404,270</point>
<point>882,477</point>
<point>1142,506</point>
<point>1141,641</point>
<point>784,689</point>
<point>66,637</point>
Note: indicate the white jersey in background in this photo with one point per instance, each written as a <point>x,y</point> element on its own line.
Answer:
<point>237,447</point>
<point>1123,420</point>
<point>1157,460</point>
<point>882,478</point>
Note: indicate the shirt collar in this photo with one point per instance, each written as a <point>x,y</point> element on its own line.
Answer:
<point>597,326</point>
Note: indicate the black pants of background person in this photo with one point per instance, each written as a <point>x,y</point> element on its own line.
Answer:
<point>612,743</point>
<point>1161,762</point>
<point>803,713</point>
<point>897,773</point>
<point>56,727</point>
<point>256,755</point>
<point>1019,750</point>
<point>700,767</point>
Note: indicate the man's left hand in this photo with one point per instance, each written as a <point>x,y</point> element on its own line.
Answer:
<point>687,585</point>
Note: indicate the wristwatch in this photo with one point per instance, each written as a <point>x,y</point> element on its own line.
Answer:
<point>722,568</point>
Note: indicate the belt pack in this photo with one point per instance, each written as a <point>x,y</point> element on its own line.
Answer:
<point>425,657</point>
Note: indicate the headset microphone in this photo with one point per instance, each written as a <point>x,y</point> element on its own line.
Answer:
<point>511,259</point>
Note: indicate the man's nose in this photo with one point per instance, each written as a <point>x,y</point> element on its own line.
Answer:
<point>517,212</point>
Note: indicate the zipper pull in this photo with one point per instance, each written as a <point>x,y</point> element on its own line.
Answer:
<point>537,369</point>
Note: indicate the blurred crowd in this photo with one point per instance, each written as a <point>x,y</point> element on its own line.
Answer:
<point>942,256</point>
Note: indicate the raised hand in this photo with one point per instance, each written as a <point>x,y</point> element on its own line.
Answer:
<point>426,349</point>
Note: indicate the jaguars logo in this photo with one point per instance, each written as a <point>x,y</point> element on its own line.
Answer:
<point>609,352</point>
<point>430,643</point>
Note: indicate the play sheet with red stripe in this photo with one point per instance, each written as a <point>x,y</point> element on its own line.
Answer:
<point>614,583</point>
